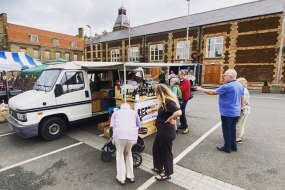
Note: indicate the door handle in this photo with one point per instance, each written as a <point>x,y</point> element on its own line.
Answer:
<point>86,93</point>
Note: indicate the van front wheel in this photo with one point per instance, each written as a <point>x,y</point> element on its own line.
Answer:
<point>52,128</point>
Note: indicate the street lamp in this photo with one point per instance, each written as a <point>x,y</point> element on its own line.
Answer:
<point>281,47</point>
<point>90,41</point>
<point>187,33</point>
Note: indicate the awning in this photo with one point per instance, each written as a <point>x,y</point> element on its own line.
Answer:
<point>6,65</point>
<point>39,69</point>
<point>21,58</point>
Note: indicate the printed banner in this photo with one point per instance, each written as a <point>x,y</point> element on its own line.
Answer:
<point>141,107</point>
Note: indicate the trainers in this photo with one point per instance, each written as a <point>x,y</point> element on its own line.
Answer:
<point>239,141</point>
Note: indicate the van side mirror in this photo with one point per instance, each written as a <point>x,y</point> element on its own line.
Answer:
<point>58,91</point>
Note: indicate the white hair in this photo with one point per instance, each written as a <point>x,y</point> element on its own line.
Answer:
<point>232,73</point>
<point>125,106</point>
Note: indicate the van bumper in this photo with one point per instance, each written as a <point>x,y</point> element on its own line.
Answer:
<point>25,131</point>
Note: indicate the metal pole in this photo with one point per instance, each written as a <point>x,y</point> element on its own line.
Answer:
<point>90,41</point>
<point>187,33</point>
<point>125,84</point>
<point>129,51</point>
<point>281,46</point>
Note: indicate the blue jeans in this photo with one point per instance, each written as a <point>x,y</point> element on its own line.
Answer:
<point>183,120</point>
<point>229,132</point>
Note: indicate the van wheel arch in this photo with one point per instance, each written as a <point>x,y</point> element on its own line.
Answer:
<point>53,127</point>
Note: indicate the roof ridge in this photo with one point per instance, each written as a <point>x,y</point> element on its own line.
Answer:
<point>254,1</point>
<point>41,30</point>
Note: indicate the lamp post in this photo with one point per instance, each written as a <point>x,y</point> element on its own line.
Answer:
<point>281,47</point>
<point>187,33</point>
<point>90,41</point>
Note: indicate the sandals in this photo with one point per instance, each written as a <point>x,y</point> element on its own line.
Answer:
<point>162,177</point>
<point>132,180</point>
<point>121,182</point>
<point>157,170</point>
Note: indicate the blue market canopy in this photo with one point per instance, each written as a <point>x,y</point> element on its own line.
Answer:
<point>6,65</point>
<point>21,58</point>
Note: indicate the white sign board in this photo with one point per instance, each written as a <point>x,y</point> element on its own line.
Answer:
<point>141,107</point>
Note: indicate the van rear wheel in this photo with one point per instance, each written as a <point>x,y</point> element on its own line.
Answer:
<point>52,128</point>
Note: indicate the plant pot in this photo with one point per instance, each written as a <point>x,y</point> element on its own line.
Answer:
<point>265,89</point>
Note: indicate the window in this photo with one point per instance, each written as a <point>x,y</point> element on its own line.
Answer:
<point>115,55</point>
<point>74,44</point>
<point>34,38</point>
<point>156,52</point>
<point>47,80</point>
<point>23,50</point>
<point>214,47</point>
<point>57,55</point>
<point>47,55</point>
<point>75,57</point>
<point>55,41</point>
<point>36,54</point>
<point>72,81</point>
<point>180,50</point>
<point>67,56</point>
<point>134,54</point>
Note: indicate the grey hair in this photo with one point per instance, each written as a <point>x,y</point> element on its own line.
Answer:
<point>125,106</point>
<point>232,73</point>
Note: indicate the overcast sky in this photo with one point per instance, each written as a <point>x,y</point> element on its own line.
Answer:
<point>66,16</point>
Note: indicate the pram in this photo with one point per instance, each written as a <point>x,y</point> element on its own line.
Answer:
<point>109,149</point>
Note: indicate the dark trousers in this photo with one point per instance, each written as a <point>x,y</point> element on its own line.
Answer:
<point>162,149</point>
<point>183,120</point>
<point>229,132</point>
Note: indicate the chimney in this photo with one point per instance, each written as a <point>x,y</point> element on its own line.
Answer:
<point>80,32</point>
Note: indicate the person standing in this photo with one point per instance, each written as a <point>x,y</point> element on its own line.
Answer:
<point>162,77</point>
<point>230,101</point>
<point>174,86</point>
<point>171,76</point>
<point>168,110</point>
<point>185,87</point>
<point>191,77</point>
<point>245,110</point>
<point>125,123</point>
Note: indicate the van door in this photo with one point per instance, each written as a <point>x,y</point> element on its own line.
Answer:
<point>75,100</point>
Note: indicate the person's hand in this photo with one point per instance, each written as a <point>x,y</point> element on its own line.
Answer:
<point>148,111</point>
<point>198,88</point>
<point>170,121</point>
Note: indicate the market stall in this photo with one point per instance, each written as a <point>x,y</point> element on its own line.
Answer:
<point>142,95</point>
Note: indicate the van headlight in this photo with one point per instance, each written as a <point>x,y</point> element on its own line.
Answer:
<point>22,116</point>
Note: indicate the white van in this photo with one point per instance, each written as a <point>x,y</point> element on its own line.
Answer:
<point>63,94</point>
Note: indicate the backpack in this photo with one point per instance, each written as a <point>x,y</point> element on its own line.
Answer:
<point>179,92</point>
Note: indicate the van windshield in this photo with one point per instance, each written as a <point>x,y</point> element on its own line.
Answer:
<point>47,80</point>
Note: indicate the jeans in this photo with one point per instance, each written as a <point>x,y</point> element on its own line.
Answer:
<point>229,132</point>
<point>183,120</point>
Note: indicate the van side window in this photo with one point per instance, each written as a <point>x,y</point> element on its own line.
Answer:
<point>72,81</point>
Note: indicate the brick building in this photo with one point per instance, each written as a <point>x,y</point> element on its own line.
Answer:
<point>40,44</point>
<point>244,37</point>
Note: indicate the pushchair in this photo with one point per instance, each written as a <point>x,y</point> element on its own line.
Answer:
<point>109,149</point>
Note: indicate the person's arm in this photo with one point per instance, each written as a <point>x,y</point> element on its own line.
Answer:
<point>151,110</point>
<point>174,116</point>
<point>206,91</point>
<point>243,102</point>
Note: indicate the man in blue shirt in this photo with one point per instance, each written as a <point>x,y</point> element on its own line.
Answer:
<point>230,101</point>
